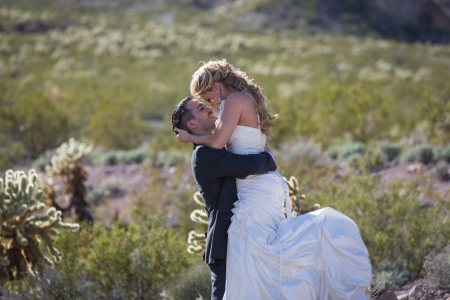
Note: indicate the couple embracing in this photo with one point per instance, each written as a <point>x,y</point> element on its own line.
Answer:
<point>253,250</point>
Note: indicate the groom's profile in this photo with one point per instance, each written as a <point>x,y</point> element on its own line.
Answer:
<point>215,171</point>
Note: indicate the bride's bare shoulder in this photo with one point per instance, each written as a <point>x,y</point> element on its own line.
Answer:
<point>242,98</point>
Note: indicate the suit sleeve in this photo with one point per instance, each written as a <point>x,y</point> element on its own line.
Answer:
<point>227,164</point>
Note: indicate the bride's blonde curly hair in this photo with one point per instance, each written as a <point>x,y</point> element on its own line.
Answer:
<point>234,79</point>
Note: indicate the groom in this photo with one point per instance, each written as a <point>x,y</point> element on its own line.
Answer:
<point>215,171</point>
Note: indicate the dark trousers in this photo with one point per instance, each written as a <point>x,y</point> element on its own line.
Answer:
<point>218,276</point>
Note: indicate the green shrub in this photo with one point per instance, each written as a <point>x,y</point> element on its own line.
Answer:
<point>35,111</point>
<point>434,107</point>
<point>165,150</point>
<point>193,284</point>
<point>12,153</point>
<point>116,124</point>
<point>65,280</point>
<point>419,153</point>
<point>124,262</point>
<point>443,170</point>
<point>348,152</point>
<point>30,125</point>
<point>161,159</point>
<point>305,160</point>
<point>135,156</point>
<point>108,158</point>
<point>111,158</point>
<point>437,269</point>
<point>379,155</point>
<point>443,153</point>
<point>389,274</point>
<point>330,112</point>
<point>375,158</point>
<point>354,159</point>
<point>139,260</point>
<point>301,151</point>
<point>68,279</point>
<point>394,224</point>
<point>392,151</point>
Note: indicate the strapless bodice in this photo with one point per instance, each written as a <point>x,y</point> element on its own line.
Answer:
<point>246,140</point>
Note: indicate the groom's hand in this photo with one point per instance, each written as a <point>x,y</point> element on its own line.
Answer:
<point>182,135</point>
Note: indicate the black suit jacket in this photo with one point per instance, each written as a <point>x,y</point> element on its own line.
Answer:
<point>215,172</point>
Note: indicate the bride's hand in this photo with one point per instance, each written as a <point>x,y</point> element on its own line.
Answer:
<point>182,135</point>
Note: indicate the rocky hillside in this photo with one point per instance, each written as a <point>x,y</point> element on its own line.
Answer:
<point>408,20</point>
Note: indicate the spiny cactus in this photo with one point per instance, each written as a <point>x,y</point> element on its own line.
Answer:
<point>48,188</point>
<point>199,215</point>
<point>197,241</point>
<point>66,164</point>
<point>25,227</point>
<point>298,199</point>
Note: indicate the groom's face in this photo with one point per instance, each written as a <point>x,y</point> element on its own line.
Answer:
<point>204,118</point>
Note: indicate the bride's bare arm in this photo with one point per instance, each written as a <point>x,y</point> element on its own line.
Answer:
<point>225,125</point>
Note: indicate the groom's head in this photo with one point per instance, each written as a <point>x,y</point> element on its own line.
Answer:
<point>193,116</point>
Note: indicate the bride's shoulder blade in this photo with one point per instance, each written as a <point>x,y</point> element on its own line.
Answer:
<point>239,98</point>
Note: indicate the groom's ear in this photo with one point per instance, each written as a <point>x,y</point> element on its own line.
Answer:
<point>192,124</point>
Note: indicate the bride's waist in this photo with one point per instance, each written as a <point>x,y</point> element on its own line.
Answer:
<point>269,177</point>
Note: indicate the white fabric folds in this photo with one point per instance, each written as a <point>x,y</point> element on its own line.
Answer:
<point>316,256</point>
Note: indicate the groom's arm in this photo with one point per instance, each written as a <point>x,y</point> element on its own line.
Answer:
<point>226,164</point>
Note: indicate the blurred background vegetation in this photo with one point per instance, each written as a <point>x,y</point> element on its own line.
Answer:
<point>361,88</point>
<point>111,71</point>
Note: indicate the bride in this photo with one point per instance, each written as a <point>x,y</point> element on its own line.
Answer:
<point>319,255</point>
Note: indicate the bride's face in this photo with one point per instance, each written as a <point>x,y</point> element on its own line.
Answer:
<point>211,97</point>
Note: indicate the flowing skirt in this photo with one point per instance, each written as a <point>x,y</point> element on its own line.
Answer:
<point>316,256</point>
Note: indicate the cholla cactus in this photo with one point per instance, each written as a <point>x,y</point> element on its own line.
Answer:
<point>197,241</point>
<point>25,226</point>
<point>298,199</point>
<point>48,188</point>
<point>66,163</point>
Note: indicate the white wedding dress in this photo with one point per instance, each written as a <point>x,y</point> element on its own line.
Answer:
<point>316,256</point>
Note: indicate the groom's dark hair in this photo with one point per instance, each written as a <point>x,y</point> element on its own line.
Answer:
<point>181,115</point>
